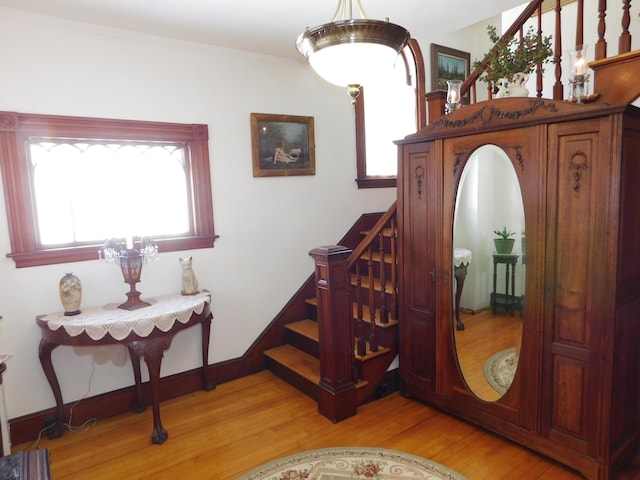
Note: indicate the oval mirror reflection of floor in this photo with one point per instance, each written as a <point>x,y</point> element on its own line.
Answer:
<point>488,350</point>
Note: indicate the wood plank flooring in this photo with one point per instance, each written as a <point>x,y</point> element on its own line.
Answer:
<point>484,335</point>
<point>224,433</point>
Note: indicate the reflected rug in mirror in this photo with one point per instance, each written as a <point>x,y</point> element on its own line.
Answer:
<point>342,463</point>
<point>500,369</point>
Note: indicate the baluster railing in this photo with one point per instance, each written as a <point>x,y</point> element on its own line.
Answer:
<point>393,239</point>
<point>624,44</point>
<point>558,88</point>
<point>361,341</point>
<point>373,341</point>
<point>601,43</point>
<point>539,68</point>
<point>384,307</point>
<point>383,304</point>
<point>468,88</point>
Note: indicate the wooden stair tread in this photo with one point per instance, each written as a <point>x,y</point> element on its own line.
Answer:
<point>307,328</point>
<point>370,354</point>
<point>305,365</point>
<point>364,283</point>
<point>376,257</point>
<point>386,232</point>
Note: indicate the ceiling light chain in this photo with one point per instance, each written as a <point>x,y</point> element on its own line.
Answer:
<point>343,5</point>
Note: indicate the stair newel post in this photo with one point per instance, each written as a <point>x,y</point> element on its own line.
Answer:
<point>337,397</point>
<point>436,101</point>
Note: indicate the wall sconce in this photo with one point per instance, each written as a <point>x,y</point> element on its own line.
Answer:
<point>453,96</point>
<point>130,260</point>
<point>579,79</point>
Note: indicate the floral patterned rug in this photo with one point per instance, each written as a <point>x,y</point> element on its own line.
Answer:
<point>500,369</point>
<point>342,463</point>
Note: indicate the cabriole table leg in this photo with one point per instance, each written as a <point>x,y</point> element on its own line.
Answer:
<point>152,349</point>
<point>44,353</point>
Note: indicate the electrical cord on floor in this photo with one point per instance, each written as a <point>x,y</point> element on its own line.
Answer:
<point>90,422</point>
<point>77,429</point>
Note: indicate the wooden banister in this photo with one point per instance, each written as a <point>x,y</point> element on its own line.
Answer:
<point>362,283</point>
<point>605,71</point>
<point>373,233</point>
<point>526,14</point>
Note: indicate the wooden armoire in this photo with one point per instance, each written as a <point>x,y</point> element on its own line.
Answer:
<point>576,394</point>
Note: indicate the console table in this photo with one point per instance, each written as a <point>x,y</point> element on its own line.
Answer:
<point>147,333</point>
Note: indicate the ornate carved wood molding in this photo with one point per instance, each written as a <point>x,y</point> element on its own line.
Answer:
<point>419,172</point>
<point>578,164</point>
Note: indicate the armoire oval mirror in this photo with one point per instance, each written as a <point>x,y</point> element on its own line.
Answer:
<point>488,287</point>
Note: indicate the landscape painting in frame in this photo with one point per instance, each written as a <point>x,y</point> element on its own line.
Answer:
<point>448,64</point>
<point>282,145</point>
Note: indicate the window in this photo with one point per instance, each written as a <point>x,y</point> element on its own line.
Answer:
<point>70,183</point>
<point>387,113</point>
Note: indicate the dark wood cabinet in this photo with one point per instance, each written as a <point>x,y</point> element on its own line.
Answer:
<point>576,394</point>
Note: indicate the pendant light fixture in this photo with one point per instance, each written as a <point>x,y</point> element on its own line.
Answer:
<point>352,52</point>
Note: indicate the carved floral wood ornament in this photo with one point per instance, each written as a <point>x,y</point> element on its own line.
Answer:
<point>578,164</point>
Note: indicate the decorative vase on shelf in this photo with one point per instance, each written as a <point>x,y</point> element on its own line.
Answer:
<point>513,88</point>
<point>70,290</point>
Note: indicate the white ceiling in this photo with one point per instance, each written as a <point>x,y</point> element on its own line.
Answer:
<point>265,26</point>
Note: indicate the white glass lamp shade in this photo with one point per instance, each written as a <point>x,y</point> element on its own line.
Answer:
<point>353,52</point>
<point>579,60</point>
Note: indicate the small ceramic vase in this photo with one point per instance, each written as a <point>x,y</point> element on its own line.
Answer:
<point>70,290</point>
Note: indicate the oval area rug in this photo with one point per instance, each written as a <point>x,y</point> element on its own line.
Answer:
<point>500,369</point>
<point>342,463</point>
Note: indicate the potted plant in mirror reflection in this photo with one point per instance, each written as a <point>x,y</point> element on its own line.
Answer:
<point>504,244</point>
<point>506,67</point>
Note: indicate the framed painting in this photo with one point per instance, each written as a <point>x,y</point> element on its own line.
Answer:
<point>448,64</point>
<point>282,145</point>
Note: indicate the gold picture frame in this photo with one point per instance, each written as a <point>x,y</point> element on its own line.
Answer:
<point>448,64</point>
<point>282,145</point>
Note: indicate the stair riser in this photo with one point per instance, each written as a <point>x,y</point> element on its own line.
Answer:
<point>292,378</point>
<point>304,343</point>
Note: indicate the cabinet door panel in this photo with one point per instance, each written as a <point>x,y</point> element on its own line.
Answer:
<point>418,217</point>
<point>578,271</point>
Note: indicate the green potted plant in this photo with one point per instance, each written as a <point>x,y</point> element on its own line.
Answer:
<point>513,60</point>
<point>504,244</point>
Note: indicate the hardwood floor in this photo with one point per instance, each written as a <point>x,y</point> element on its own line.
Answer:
<point>246,422</point>
<point>484,335</point>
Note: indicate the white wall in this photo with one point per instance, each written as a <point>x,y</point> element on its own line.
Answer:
<point>267,226</point>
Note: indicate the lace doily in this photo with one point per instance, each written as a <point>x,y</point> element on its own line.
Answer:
<point>461,256</point>
<point>163,312</point>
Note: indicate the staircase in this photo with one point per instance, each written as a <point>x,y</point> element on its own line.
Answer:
<point>373,323</point>
<point>339,350</point>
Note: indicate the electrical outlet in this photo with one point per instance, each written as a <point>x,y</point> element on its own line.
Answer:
<point>49,422</point>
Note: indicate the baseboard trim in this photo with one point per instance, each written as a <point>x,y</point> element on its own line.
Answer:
<point>28,427</point>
